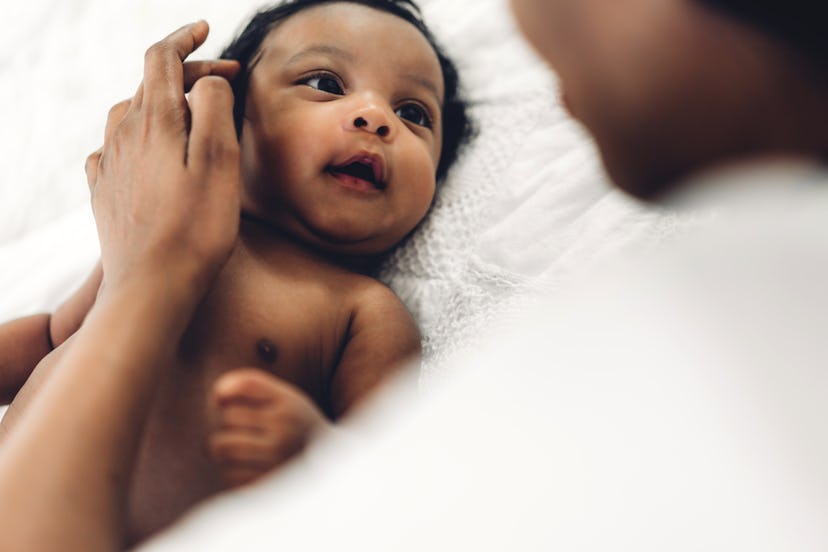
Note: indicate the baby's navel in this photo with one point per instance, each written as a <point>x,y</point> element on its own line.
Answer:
<point>267,351</point>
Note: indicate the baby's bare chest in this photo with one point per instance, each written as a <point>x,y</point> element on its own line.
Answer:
<point>292,326</point>
<point>284,323</point>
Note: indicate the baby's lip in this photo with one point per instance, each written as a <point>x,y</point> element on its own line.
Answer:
<point>370,160</point>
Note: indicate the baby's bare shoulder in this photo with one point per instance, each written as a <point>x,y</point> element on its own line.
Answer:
<point>370,297</point>
<point>382,339</point>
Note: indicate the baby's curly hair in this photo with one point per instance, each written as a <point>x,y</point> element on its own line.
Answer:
<point>457,127</point>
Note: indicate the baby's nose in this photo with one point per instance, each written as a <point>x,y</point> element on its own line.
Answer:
<point>360,122</point>
<point>372,120</point>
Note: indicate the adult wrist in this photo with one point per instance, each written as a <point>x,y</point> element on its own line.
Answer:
<point>166,295</point>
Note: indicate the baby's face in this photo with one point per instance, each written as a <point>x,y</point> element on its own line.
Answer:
<point>343,131</point>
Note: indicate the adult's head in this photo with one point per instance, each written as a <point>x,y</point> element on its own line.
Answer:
<point>669,87</point>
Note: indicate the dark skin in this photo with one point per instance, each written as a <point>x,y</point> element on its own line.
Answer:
<point>258,416</point>
<point>87,498</point>
<point>79,502</point>
<point>26,341</point>
<point>250,393</point>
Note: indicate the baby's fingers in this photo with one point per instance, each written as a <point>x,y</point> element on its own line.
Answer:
<point>243,417</point>
<point>248,385</point>
<point>229,448</point>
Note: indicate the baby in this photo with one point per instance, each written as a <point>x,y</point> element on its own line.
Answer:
<point>348,114</point>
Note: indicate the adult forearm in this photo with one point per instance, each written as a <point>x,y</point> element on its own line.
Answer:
<point>165,191</point>
<point>64,471</point>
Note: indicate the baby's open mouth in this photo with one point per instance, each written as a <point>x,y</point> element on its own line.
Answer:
<point>363,169</point>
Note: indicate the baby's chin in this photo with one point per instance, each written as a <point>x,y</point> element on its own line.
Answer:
<point>339,237</point>
<point>343,245</point>
<point>332,243</point>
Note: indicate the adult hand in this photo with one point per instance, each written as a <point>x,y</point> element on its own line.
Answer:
<point>165,185</point>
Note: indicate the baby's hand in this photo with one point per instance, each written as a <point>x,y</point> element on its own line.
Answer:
<point>262,422</point>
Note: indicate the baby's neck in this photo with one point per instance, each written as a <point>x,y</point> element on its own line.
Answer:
<point>258,233</point>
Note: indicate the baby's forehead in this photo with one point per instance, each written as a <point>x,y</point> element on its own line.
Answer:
<point>353,32</point>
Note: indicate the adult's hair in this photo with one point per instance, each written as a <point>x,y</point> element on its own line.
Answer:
<point>457,127</point>
<point>801,24</point>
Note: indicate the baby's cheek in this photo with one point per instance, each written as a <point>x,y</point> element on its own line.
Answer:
<point>420,195</point>
<point>427,177</point>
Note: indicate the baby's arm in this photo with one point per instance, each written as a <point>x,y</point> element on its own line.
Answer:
<point>383,338</point>
<point>25,341</point>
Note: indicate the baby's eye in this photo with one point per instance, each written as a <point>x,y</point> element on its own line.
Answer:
<point>415,114</point>
<point>325,83</point>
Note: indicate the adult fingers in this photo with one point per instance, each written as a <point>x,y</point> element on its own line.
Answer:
<point>194,70</point>
<point>138,97</point>
<point>213,142</point>
<point>163,84</point>
<point>92,163</point>
<point>115,117</point>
